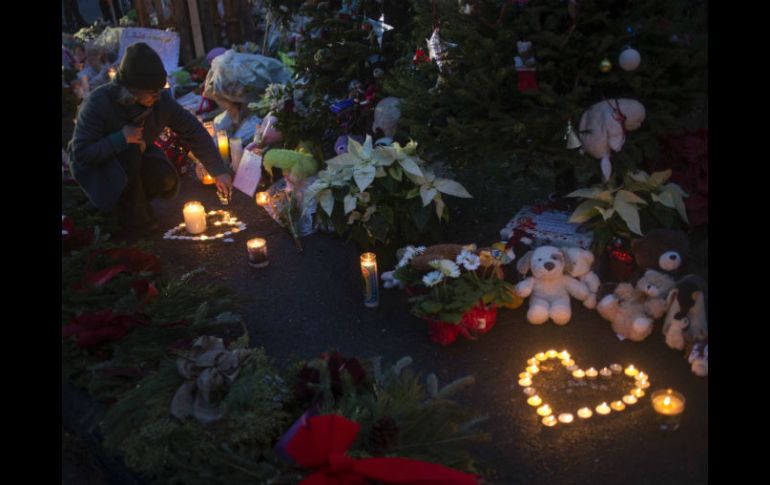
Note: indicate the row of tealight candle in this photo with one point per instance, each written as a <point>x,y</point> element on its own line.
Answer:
<point>641,382</point>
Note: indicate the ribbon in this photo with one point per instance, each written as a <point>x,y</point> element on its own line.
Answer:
<point>322,442</point>
<point>92,329</point>
<point>208,370</point>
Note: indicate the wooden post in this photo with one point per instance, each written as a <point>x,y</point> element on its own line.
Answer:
<point>232,22</point>
<point>159,13</point>
<point>195,24</point>
<point>182,27</point>
<point>207,24</point>
<point>140,13</point>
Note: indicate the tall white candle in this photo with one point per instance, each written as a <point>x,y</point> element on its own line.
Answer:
<point>236,152</point>
<point>194,217</point>
<point>224,145</point>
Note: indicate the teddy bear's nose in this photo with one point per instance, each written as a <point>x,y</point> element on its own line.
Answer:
<point>549,266</point>
<point>672,257</point>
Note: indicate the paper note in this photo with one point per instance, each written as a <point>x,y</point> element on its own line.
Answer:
<point>248,174</point>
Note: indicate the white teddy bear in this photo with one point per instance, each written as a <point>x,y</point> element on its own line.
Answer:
<point>579,265</point>
<point>549,287</point>
<point>604,125</point>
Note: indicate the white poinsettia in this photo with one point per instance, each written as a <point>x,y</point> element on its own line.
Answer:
<point>431,188</point>
<point>365,161</point>
<point>406,160</point>
<point>446,267</point>
<point>433,278</point>
<point>356,215</point>
<point>322,187</point>
<point>353,198</point>
<point>468,260</point>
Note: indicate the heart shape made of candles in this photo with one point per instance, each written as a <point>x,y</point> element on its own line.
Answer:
<point>227,224</point>
<point>549,418</point>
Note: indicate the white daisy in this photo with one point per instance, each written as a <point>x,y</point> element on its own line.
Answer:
<point>447,267</point>
<point>471,262</point>
<point>433,278</point>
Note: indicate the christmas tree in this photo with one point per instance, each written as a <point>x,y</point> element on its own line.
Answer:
<point>484,106</point>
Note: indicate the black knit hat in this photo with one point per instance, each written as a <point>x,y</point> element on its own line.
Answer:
<point>141,68</point>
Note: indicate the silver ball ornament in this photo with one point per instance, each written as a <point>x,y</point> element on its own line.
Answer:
<point>629,59</point>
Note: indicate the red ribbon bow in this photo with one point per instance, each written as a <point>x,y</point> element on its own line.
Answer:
<point>322,443</point>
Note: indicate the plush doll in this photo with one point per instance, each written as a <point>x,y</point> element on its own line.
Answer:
<point>579,264</point>
<point>663,250</point>
<point>386,116</point>
<point>603,128</point>
<point>631,310</point>
<point>686,323</point>
<point>549,287</point>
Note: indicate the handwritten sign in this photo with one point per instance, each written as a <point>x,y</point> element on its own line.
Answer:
<point>248,174</point>
<point>166,44</point>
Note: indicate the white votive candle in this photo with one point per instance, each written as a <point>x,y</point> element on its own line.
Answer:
<point>618,405</point>
<point>551,354</point>
<point>616,368</point>
<point>194,217</point>
<point>257,248</point>
<point>566,418</point>
<point>637,393</point>
<point>591,373</point>
<point>530,391</point>
<point>525,382</point>
<point>533,369</point>
<point>631,371</point>
<point>549,421</point>
<point>578,374</point>
<point>534,401</point>
<point>544,410</point>
<point>584,413</point>
<point>605,373</point>
<point>541,356</point>
<point>629,399</point>
<point>603,409</point>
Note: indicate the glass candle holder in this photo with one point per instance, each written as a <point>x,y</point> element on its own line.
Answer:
<point>369,276</point>
<point>194,217</point>
<point>257,248</point>
<point>263,199</point>
<point>669,406</point>
<point>223,143</point>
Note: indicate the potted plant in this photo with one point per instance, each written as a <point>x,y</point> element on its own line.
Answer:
<point>457,296</point>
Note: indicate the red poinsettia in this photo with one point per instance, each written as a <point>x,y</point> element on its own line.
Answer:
<point>93,329</point>
<point>125,260</point>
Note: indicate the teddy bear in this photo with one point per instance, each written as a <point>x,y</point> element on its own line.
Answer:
<point>549,287</point>
<point>631,310</point>
<point>604,125</point>
<point>686,324</point>
<point>525,67</point>
<point>579,264</point>
<point>663,250</point>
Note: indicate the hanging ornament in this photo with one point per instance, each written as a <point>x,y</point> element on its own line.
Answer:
<point>525,68</point>
<point>629,59</point>
<point>379,27</point>
<point>571,138</point>
<point>437,50</point>
<point>605,65</point>
<point>465,8</point>
<point>419,57</point>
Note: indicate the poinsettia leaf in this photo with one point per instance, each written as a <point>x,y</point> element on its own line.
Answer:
<point>413,192</point>
<point>396,173</point>
<point>630,215</point>
<point>355,149</point>
<point>410,167</point>
<point>450,187</point>
<point>326,200</point>
<point>380,172</point>
<point>427,195</point>
<point>659,178</point>
<point>364,176</point>
<point>592,193</point>
<point>629,197</point>
<point>350,203</point>
<point>606,213</point>
<point>585,211</point>
<point>439,206</point>
<point>345,159</point>
<point>383,156</point>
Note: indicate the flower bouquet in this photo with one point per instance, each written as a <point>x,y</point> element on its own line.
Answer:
<point>459,295</point>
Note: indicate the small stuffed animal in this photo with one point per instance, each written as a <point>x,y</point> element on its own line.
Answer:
<point>578,264</point>
<point>631,310</point>
<point>604,125</point>
<point>686,323</point>
<point>386,116</point>
<point>663,250</point>
<point>549,287</point>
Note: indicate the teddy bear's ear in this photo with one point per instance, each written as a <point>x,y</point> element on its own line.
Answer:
<point>523,264</point>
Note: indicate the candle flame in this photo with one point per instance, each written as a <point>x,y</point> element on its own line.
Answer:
<point>667,401</point>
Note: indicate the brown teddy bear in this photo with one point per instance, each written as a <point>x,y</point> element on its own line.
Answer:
<point>663,250</point>
<point>632,310</point>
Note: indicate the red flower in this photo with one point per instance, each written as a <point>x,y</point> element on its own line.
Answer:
<point>92,329</point>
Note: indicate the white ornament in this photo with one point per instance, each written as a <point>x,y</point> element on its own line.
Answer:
<point>629,59</point>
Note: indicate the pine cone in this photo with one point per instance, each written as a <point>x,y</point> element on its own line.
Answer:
<point>383,436</point>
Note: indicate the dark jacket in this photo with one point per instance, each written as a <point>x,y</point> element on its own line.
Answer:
<point>98,144</point>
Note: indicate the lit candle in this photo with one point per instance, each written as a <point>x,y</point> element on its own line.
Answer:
<point>605,373</point>
<point>530,391</point>
<point>669,404</point>
<point>637,393</point>
<point>194,217</point>
<point>572,368</point>
<point>549,421</point>
<point>257,248</point>
<point>567,362</point>
<point>209,125</point>
<point>566,418</point>
<point>533,369</point>
<point>541,356</point>
<point>167,85</point>
<point>544,410</point>
<point>369,275</point>
<point>618,405</point>
<point>631,371</point>
<point>629,399</point>
<point>263,198</point>
<point>564,355</point>
<point>591,373</point>
<point>523,375</point>
<point>616,368</point>
<point>224,145</point>
<point>525,382</point>
<point>643,384</point>
<point>584,413</point>
<point>534,401</point>
<point>236,152</point>
<point>578,374</point>
<point>551,354</point>
<point>603,409</point>
<point>208,180</point>
<point>111,72</point>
